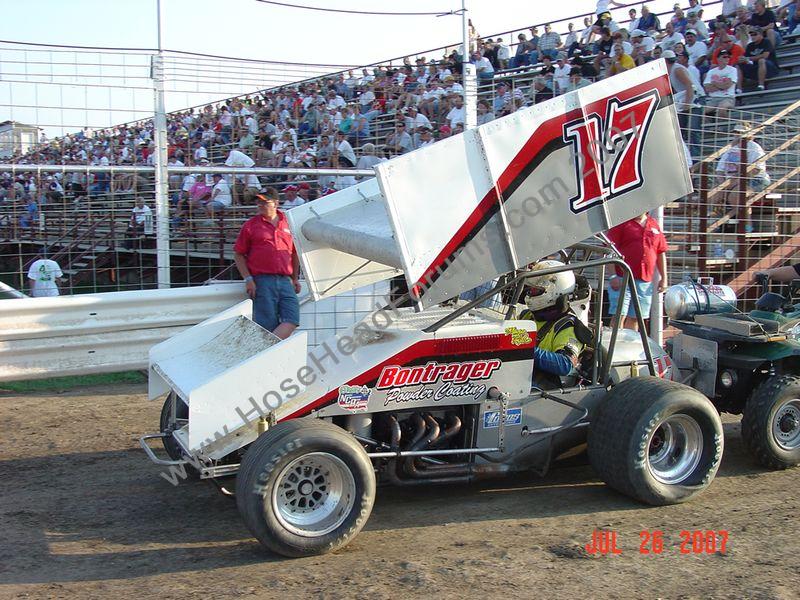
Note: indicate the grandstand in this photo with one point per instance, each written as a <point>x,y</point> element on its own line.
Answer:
<point>83,217</point>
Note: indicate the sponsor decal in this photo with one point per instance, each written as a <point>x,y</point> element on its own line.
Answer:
<point>396,376</point>
<point>458,380</point>
<point>354,398</point>
<point>491,418</point>
<point>519,337</point>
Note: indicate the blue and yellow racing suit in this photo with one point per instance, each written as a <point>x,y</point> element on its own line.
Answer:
<point>557,347</point>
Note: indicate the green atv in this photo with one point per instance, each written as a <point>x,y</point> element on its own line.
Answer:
<point>745,363</point>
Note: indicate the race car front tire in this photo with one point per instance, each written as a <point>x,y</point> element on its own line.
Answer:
<point>305,487</point>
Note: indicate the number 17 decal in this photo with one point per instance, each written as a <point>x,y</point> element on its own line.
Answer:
<point>608,151</point>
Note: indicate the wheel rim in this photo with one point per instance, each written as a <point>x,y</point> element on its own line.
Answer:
<point>675,449</point>
<point>786,425</point>
<point>314,494</point>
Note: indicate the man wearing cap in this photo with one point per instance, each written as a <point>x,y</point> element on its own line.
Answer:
<point>457,113</point>
<point>304,192</point>
<point>725,42</point>
<point>759,60</point>
<point>501,98</point>
<point>689,114</point>
<point>576,80</point>
<point>643,46</point>
<point>696,50</point>
<point>290,199</point>
<point>561,73</point>
<point>426,136</point>
<point>730,164</point>
<point>399,142</point>
<point>720,84</point>
<point>265,256</point>
<point>415,121</point>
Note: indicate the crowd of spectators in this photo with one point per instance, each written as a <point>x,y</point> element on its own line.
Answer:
<point>357,119</point>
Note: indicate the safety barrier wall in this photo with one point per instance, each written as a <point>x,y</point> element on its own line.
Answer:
<point>111,332</point>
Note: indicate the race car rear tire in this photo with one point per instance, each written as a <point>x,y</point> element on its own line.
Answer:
<point>305,487</point>
<point>657,441</point>
<point>771,422</point>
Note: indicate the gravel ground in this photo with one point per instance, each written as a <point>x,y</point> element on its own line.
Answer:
<point>83,514</point>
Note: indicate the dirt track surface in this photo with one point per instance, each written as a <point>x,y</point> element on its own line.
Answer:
<point>83,514</point>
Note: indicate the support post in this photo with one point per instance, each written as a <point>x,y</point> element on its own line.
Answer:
<point>741,202</point>
<point>469,79</point>
<point>703,233</point>
<point>161,174</point>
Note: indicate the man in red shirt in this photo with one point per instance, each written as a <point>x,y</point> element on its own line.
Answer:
<point>735,50</point>
<point>267,260</point>
<point>643,246</point>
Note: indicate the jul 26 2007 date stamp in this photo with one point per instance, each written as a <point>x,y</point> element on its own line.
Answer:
<point>652,541</point>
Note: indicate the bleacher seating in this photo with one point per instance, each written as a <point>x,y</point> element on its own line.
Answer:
<point>110,211</point>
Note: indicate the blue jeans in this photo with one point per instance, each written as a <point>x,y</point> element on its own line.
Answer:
<point>644,291</point>
<point>792,18</point>
<point>691,123</point>
<point>275,302</point>
<point>473,294</point>
<point>519,61</point>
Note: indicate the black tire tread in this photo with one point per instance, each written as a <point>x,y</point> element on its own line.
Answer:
<point>276,433</point>
<point>181,411</point>
<point>249,503</point>
<point>613,425</point>
<point>756,433</point>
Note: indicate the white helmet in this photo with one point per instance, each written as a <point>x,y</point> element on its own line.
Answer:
<point>544,291</point>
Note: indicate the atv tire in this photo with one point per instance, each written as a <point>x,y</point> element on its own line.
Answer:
<point>305,487</point>
<point>771,422</point>
<point>657,441</point>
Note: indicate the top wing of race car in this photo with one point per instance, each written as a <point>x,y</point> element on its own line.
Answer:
<point>457,214</point>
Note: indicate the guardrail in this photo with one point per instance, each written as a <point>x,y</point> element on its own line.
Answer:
<point>114,331</point>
